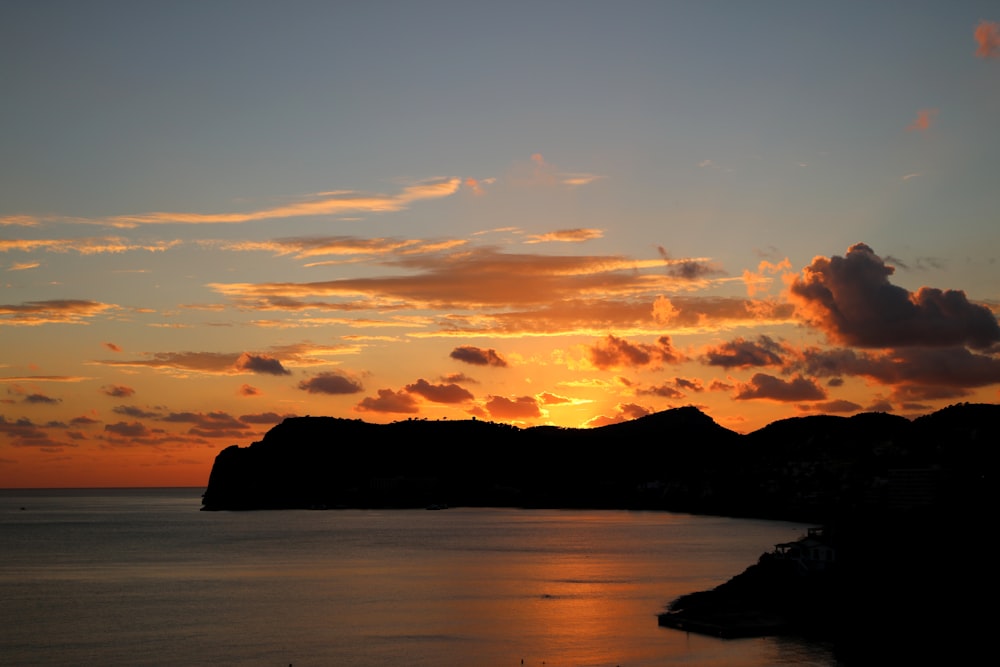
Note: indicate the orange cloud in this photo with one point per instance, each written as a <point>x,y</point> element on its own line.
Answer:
<point>65,311</point>
<point>758,282</point>
<point>987,36</point>
<point>566,236</point>
<point>389,401</point>
<point>324,203</point>
<point>476,278</point>
<point>18,221</point>
<point>248,390</point>
<point>523,407</point>
<point>112,347</point>
<point>923,120</point>
<point>614,352</point>
<point>547,398</point>
<point>85,246</point>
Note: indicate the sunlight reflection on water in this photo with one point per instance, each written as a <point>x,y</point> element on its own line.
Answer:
<point>128,579</point>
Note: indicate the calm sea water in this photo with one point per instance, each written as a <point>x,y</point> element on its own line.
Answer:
<point>141,577</point>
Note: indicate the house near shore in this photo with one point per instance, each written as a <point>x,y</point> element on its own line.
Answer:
<point>810,554</point>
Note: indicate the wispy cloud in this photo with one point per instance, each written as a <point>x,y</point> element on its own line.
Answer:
<point>987,36</point>
<point>84,246</point>
<point>566,236</point>
<point>24,266</point>
<point>923,120</point>
<point>333,203</point>
<point>65,311</point>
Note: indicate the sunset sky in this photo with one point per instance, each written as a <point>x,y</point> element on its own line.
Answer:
<point>214,215</point>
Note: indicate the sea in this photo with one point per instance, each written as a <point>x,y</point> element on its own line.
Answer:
<point>142,577</point>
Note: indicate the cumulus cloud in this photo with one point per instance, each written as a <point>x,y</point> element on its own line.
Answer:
<point>851,300</point>
<point>742,353</point>
<point>987,36</point>
<point>331,383</point>
<point>478,356</point>
<point>523,407</point>
<point>615,352</point>
<point>258,363</point>
<point>439,393</point>
<point>389,401</point>
<point>763,386</point>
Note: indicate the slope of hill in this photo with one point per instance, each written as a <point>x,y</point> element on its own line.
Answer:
<point>803,468</point>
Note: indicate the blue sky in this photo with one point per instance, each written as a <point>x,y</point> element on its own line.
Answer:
<point>184,183</point>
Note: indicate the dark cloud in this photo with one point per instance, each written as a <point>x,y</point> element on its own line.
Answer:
<point>439,393</point>
<point>257,363</point>
<point>775,389</point>
<point>851,299</point>
<point>478,356</point>
<point>117,390</point>
<point>83,420</point>
<point>614,352</point>
<point>41,399</point>
<point>331,383</point>
<point>458,378</point>
<point>742,353</point>
<point>134,412</point>
<point>664,390</point>
<point>127,430</point>
<point>690,384</point>
<point>954,367</point>
<point>523,407</point>
<point>248,390</point>
<point>687,269</point>
<point>389,401</point>
<point>209,424</point>
<point>264,418</point>
<point>828,407</point>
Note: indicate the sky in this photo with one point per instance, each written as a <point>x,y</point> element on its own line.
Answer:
<point>215,215</point>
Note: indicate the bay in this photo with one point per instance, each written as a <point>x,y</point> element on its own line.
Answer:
<point>142,577</point>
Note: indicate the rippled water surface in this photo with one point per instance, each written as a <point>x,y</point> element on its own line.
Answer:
<point>129,577</point>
